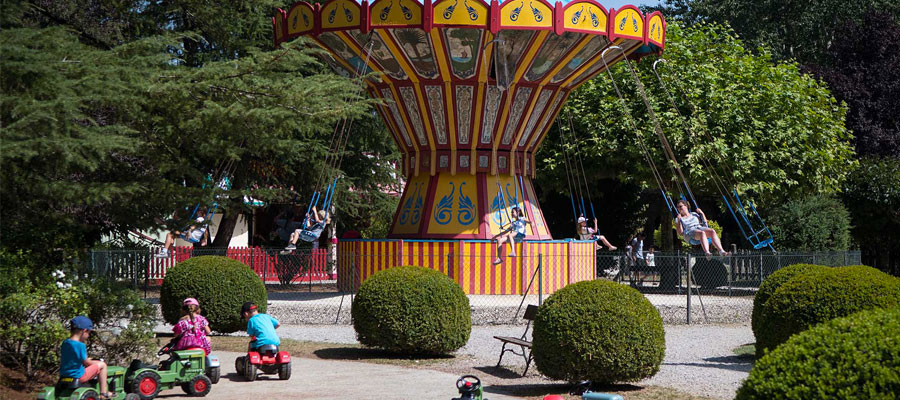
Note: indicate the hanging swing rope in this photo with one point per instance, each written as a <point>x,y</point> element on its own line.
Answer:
<point>644,149</point>
<point>568,178</point>
<point>580,166</point>
<point>501,204</point>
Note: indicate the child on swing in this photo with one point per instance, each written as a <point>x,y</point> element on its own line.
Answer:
<point>694,230</point>
<point>192,329</point>
<point>512,235</point>
<point>196,233</point>
<point>314,225</point>
<point>586,233</point>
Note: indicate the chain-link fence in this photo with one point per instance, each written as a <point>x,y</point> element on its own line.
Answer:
<point>311,287</point>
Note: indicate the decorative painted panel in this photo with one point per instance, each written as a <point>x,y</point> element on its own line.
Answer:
<point>300,19</point>
<point>395,13</point>
<point>629,23</point>
<point>463,112</point>
<point>503,194</point>
<point>464,161</point>
<point>337,45</point>
<point>554,48</point>
<point>536,114</point>
<point>416,45</point>
<point>464,46</point>
<point>532,15</point>
<point>548,118</point>
<point>656,32</point>
<point>381,54</point>
<point>511,46</point>
<point>395,113</point>
<point>482,161</point>
<point>411,209</point>
<point>412,109</point>
<point>595,46</point>
<point>436,104</point>
<point>340,14</point>
<point>521,100</point>
<point>468,13</point>
<point>455,209</point>
<point>585,17</point>
<point>491,108</point>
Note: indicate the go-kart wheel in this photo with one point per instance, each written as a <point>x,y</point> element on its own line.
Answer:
<point>145,385</point>
<point>239,365</point>
<point>284,371</point>
<point>199,386</point>
<point>89,395</point>
<point>214,374</point>
<point>132,396</point>
<point>252,373</point>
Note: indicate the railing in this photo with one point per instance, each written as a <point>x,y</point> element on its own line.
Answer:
<point>143,267</point>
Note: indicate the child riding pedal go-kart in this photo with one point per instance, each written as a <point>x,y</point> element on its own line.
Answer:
<point>72,389</point>
<point>262,353</point>
<point>192,369</point>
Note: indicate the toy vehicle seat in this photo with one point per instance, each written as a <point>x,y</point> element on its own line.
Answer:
<point>197,348</point>
<point>73,383</point>
<point>267,349</point>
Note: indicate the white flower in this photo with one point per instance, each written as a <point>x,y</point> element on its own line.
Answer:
<point>60,285</point>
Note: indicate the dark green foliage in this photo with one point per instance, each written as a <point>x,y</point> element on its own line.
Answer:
<point>412,310</point>
<point>872,194</point>
<point>812,223</point>
<point>856,357</point>
<point>766,289</point>
<point>709,273</point>
<point>599,331</point>
<point>816,296</point>
<point>220,284</point>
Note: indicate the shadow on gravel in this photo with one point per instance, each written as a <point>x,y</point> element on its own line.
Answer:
<point>304,296</point>
<point>731,363</point>
<point>534,390</point>
<point>502,372</point>
<point>359,353</point>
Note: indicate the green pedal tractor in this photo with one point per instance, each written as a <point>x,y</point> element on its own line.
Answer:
<point>191,369</point>
<point>71,389</point>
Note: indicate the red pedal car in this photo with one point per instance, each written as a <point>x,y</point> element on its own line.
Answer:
<point>265,359</point>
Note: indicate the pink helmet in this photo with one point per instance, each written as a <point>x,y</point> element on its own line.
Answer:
<point>190,301</point>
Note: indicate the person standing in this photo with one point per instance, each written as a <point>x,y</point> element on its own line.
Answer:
<point>637,254</point>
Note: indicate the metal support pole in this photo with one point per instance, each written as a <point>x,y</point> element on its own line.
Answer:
<point>540,269</point>
<point>688,258</point>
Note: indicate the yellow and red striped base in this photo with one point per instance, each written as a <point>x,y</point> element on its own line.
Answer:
<point>470,263</point>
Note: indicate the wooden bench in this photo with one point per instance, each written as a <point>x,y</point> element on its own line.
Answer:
<point>524,345</point>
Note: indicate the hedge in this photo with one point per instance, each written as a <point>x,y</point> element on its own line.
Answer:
<point>817,296</point>
<point>220,284</point>
<point>412,310</point>
<point>854,357</point>
<point>599,331</point>
<point>772,283</point>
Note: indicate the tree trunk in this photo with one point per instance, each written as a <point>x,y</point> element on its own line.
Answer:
<point>226,230</point>
<point>332,244</point>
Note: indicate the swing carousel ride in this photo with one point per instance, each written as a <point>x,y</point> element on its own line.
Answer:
<point>469,91</point>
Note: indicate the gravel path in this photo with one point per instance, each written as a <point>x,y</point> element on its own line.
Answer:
<point>699,358</point>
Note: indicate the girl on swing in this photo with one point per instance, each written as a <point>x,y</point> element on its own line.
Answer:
<point>196,233</point>
<point>696,232</point>
<point>514,234</point>
<point>586,233</point>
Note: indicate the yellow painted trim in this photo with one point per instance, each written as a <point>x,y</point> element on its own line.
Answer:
<point>438,45</point>
<point>549,125</point>
<point>406,122</point>
<point>395,130</point>
<point>480,93</point>
<point>389,42</point>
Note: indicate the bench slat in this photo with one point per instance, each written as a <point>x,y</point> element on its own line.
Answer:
<point>514,340</point>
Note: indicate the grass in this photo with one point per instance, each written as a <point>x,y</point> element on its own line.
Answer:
<point>746,351</point>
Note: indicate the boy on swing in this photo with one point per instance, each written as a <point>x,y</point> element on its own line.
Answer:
<point>196,233</point>
<point>515,233</point>
<point>314,225</point>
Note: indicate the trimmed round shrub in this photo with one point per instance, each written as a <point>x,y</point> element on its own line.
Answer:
<point>599,331</point>
<point>220,284</point>
<point>817,296</point>
<point>765,291</point>
<point>412,310</point>
<point>855,357</point>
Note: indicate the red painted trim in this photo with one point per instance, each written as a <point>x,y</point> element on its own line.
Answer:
<point>647,29</point>
<point>274,33</point>
<point>558,18</point>
<point>484,229</point>
<point>317,10</point>
<point>429,204</point>
<point>494,17</point>
<point>366,23</point>
<point>428,16</point>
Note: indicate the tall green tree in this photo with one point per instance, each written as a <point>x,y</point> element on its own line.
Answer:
<point>779,131</point>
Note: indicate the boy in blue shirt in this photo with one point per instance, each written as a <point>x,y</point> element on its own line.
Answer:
<point>73,360</point>
<point>261,326</point>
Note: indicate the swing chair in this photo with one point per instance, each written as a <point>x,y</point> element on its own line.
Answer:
<point>758,238</point>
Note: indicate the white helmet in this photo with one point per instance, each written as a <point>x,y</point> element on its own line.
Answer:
<point>581,219</point>
<point>200,220</point>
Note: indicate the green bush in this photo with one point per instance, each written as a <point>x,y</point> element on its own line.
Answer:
<point>811,224</point>
<point>772,283</point>
<point>599,331</point>
<point>412,310</point>
<point>817,296</point>
<point>855,357</point>
<point>220,284</point>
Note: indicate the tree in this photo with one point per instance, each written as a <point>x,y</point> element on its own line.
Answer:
<point>872,195</point>
<point>813,223</point>
<point>779,131</point>
<point>802,30</point>
<point>864,74</point>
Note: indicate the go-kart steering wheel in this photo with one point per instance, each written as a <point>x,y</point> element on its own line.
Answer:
<point>470,379</point>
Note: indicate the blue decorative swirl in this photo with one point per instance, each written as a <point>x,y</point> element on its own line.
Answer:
<point>538,15</point>
<point>577,16</point>
<point>444,211</point>
<point>305,20</point>
<point>622,24</point>
<point>466,214</point>
<point>634,24</point>
<point>595,21</point>
<point>385,11</point>
<point>473,14</point>
<point>331,15</point>
<point>448,13</point>
<point>294,23</point>
<point>407,14</point>
<point>348,15</point>
<point>514,15</point>
<point>653,29</point>
<point>412,206</point>
<point>496,210</point>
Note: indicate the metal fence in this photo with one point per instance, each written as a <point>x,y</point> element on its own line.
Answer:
<point>307,287</point>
